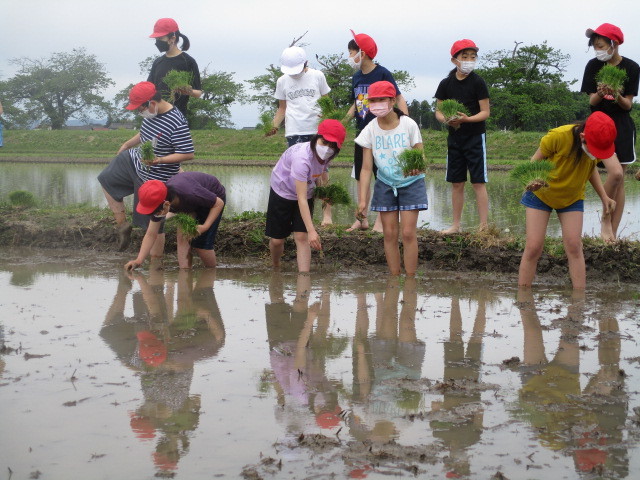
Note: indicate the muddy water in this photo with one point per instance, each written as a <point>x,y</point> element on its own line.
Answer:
<point>244,373</point>
<point>248,189</point>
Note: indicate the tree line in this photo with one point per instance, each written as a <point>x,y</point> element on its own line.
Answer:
<point>526,88</point>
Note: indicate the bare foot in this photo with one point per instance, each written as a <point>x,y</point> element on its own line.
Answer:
<point>359,225</point>
<point>450,230</point>
<point>377,226</point>
<point>326,221</point>
<point>606,231</point>
<point>326,215</point>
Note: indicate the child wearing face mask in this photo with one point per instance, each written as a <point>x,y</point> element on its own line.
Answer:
<point>399,199</point>
<point>466,143</point>
<point>167,35</point>
<point>605,41</point>
<point>293,181</point>
<point>574,149</point>
<point>297,92</point>
<point>362,51</point>
<point>166,128</point>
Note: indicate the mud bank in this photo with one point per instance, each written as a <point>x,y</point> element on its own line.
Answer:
<point>243,238</point>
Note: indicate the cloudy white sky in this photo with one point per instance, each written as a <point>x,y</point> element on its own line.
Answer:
<point>244,36</point>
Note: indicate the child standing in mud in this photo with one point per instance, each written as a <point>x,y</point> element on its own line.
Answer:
<point>399,199</point>
<point>293,181</point>
<point>575,150</point>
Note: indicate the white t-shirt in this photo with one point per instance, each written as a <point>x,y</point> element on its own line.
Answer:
<point>386,145</point>
<point>301,94</point>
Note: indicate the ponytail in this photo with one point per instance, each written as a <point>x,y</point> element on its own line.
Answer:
<point>185,41</point>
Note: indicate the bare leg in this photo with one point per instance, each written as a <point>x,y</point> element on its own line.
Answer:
<point>377,226</point>
<point>482,201</point>
<point>457,202</point>
<point>359,224</point>
<point>616,216</point>
<point>157,250</point>
<point>612,184</point>
<point>303,251</point>
<point>391,228</point>
<point>536,230</point>
<point>276,247</point>
<point>571,223</point>
<point>208,257</point>
<point>409,222</point>
<point>185,257</point>
<point>116,207</point>
<point>326,214</point>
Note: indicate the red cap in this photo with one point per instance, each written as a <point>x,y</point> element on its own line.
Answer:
<point>381,89</point>
<point>462,45</point>
<point>366,44</point>
<point>607,30</point>
<point>151,350</point>
<point>332,131</point>
<point>140,93</point>
<point>150,195</point>
<point>600,133</point>
<point>163,27</point>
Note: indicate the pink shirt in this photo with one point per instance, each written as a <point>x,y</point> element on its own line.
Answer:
<point>296,163</point>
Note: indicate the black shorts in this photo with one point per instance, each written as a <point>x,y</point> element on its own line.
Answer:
<point>357,161</point>
<point>466,152</point>
<point>626,140</point>
<point>283,216</point>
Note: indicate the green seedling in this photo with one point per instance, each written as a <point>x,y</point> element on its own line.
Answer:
<point>177,81</point>
<point>148,155</point>
<point>328,109</point>
<point>533,174</point>
<point>266,123</point>
<point>450,108</point>
<point>412,160</point>
<point>187,224</point>
<point>333,194</point>
<point>611,77</point>
<point>22,198</point>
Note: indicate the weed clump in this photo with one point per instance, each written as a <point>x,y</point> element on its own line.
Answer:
<point>22,198</point>
<point>333,194</point>
<point>187,224</point>
<point>178,82</point>
<point>533,174</point>
<point>411,160</point>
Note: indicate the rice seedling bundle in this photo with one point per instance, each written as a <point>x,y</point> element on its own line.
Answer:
<point>148,155</point>
<point>410,160</point>
<point>333,194</point>
<point>187,224</point>
<point>177,81</point>
<point>612,77</point>
<point>450,108</point>
<point>266,123</point>
<point>328,109</point>
<point>531,174</point>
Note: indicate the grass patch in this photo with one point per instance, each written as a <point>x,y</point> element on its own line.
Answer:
<point>22,198</point>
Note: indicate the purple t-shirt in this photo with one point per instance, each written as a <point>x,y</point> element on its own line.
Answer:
<point>296,163</point>
<point>197,191</point>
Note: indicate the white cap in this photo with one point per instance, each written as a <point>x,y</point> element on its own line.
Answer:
<point>292,60</point>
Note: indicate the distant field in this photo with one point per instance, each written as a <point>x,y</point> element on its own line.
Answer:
<point>242,146</point>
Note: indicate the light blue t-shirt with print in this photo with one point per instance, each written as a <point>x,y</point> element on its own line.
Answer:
<point>386,145</point>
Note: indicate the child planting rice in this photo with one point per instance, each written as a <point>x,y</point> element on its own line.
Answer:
<point>533,175</point>
<point>574,150</point>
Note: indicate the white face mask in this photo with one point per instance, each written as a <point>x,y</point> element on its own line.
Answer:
<point>584,148</point>
<point>466,67</point>
<point>604,55</point>
<point>355,61</point>
<point>380,109</point>
<point>324,152</point>
<point>297,76</point>
<point>147,113</point>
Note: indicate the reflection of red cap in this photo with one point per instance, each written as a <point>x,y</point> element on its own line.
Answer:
<point>607,30</point>
<point>142,426</point>
<point>332,131</point>
<point>163,27</point>
<point>140,93</point>
<point>366,44</point>
<point>152,351</point>
<point>588,459</point>
<point>164,462</point>
<point>600,133</point>
<point>462,45</point>
<point>329,419</point>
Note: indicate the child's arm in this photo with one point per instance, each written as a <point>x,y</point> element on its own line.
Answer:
<point>439,116</point>
<point>350,114</point>
<point>173,158</point>
<point>608,204</point>
<point>214,213</point>
<point>365,179</point>
<point>132,142</point>
<point>149,239</point>
<point>401,103</point>
<point>305,213</point>
<point>278,117</point>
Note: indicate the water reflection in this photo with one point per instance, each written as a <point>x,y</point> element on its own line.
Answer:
<point>162,344</point>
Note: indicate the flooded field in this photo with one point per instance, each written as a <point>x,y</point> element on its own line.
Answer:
<point>246,373</point>
<point>248,189</point>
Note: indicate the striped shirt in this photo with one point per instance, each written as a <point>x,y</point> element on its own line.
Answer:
<point>170,133</point>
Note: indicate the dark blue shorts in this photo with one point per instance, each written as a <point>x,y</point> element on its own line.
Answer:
<point>207,240</point>
<point>467,152</point>
<point>293,139</point>
<point>530,200</point>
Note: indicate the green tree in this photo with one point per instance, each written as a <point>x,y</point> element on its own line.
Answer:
<point>423,113</point>
<point>211,110</point>
<point>55,89</point>
<point>527,88</point>
<point>264,87</point>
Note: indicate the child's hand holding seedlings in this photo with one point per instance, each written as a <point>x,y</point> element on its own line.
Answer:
<point>460,118</point>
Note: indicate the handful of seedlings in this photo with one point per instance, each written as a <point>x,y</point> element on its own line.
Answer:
<point>187,225</point>
<point>612,78</point>
<point>148,155</point>
<point>533,175</point>
<point>411,160</point>
<point>178,82</point>
<point>333,194</point>
<point>450,108</point>
<point>328,109</point>
<point>266,123</point>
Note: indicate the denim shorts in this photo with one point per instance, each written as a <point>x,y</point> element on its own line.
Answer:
<point>530,200</point>
<point>411,197</point>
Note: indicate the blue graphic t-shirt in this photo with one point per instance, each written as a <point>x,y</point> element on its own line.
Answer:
<point>360,86</point>
<point>386,145</point>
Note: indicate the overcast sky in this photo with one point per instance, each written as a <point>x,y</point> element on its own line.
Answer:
<point>244,36</point>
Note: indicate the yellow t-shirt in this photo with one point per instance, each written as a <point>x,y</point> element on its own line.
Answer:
<point>567,181</point>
